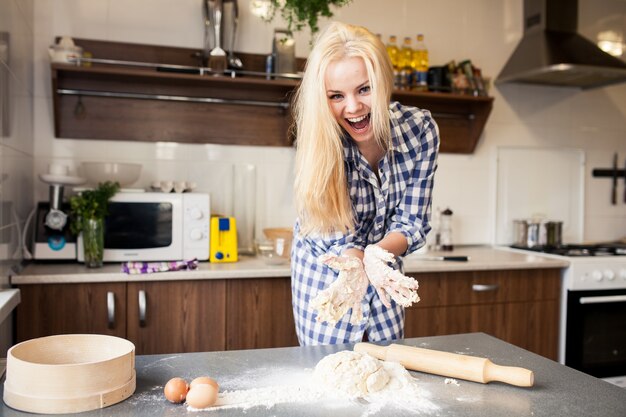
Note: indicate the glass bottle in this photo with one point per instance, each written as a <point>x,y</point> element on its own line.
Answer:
<point>405,64</point>
<point>420,59</point>
<point>446,230</point>
<point>394,52</point>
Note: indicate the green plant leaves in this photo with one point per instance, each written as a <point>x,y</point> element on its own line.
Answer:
<point>299,13</point>
<point>91,204</point>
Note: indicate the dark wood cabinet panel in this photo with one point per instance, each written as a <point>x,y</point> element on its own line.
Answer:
<point>179,316</point>
<point>51,309</point>
<point>518,306</point>
<point>259,314</point>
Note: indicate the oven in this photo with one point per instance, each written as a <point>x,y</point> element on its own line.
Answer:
<point>592,334</point>
<point>596,333</point>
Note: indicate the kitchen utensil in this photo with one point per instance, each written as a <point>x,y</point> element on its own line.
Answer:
<point>282,237</point>
<point>209,37</point>
<point>271,252</point>
<point>233,61</point>
<point>452,365</point>
<point>284,51</point>
<point>614,188</point>
<point>69,373</point>
<point>185,69</point>
<point>64,51</point>
<point>217,56</point>
<point>554,232</point>
<point>223,246</point>
<point>529,233</point>
<point>123,173</point>
<point>444,258</point>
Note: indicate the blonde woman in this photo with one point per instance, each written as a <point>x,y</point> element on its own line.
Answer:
<point>364,176</point>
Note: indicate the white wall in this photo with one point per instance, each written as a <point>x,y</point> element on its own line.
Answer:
<point>484,30</point>
<point>16,138</point>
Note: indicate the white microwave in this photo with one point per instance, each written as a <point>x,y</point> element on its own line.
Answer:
<point>155,227</point>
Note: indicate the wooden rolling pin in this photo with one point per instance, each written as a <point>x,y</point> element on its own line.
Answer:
<point>448,364</point>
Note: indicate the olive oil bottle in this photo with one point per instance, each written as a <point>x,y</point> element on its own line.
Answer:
<point>406,64</point>
<point>420,59</point>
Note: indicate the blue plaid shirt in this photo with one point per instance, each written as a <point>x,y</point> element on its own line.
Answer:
<point>400,202</point>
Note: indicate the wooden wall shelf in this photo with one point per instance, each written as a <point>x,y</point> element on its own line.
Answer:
<point>117,102</point>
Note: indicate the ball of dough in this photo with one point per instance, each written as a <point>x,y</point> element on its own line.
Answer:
<point>353,373</point>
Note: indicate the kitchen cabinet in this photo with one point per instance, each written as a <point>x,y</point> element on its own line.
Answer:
<point>518,306</point>
<point>259,314</point>
<point>175,316</point>
<point>49,309</point>
<point>179,316</point>
<point>152,103</point>
<point>165,316</point>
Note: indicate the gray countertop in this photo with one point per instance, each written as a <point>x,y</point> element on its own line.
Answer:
<point>558,390</point>
<point>481,258</point>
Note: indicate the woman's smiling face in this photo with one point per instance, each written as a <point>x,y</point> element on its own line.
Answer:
<point>349,95</point>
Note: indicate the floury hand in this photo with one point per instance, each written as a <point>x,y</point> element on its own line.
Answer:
<point>346,292</point>
<point>389,283</point>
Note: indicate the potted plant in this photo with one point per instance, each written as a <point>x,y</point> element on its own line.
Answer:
<point>298,13</point>
<point>87,211</point>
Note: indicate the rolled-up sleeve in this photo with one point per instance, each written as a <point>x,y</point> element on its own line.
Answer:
<point>416,165</point>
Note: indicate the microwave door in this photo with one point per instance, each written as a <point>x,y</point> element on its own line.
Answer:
<point>143,231</point>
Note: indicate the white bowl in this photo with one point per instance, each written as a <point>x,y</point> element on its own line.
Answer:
<point>124,173</point>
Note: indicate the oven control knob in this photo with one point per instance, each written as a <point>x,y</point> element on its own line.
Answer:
<point>196,234</point>
<point>622,274</point>
<point>596,275</point>
<point>608,274</point>
<point>195,213</point>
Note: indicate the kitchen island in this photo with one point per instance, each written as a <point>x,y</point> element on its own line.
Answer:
<point>558,390</point>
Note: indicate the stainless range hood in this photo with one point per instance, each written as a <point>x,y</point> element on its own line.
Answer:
<point>551,51</point>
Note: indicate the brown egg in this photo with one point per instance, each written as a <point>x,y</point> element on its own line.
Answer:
<point>176,390</point>
<point>202,396</point>
<point>204,380</point>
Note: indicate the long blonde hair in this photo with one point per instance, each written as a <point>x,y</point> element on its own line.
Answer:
<point>322,200</point>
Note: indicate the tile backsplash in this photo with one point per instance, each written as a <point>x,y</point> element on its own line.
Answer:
<point>593,122</point>
<point>16,139</point>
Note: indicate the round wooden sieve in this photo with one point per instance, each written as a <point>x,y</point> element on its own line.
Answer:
<point>69,373</point>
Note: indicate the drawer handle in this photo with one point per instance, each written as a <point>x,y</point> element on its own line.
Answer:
<point>484,287</point>
<point>142,308</point>
<point>110,309</point>
<point>602,300</point>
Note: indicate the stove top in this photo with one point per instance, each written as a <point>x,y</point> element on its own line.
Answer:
<point>600,250</point>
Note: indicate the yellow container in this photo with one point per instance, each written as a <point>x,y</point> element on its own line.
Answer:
<point>223,245</point>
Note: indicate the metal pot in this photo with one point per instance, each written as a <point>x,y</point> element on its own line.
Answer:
<point>531,233</point>
<point>554,231</point>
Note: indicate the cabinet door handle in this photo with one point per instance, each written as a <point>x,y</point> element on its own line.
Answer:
<point>142,308</point>
<point>484,287</point>
<point>603,299</point>
<point>110,309</point>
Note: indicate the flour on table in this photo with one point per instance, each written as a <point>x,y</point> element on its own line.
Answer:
<point>451,381</point>
<point>335,383</point>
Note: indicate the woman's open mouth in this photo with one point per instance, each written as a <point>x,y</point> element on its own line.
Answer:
<point>360,123</point>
